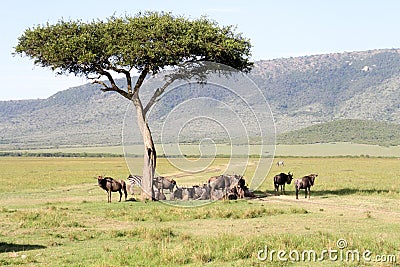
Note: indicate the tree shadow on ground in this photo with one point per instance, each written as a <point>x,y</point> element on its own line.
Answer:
<point>10,247</point>
<point>337,192</point>
<point>349,191</point>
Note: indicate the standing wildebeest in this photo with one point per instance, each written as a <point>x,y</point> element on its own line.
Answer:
<point>305,183</point>
<point>162,183</point>
<point>280,180</point>
<point>111,185</point>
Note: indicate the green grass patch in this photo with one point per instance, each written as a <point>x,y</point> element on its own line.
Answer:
<point>60,218</point>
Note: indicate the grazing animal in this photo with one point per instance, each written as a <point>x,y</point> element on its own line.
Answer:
<point>305,183</point>
<point>248,193</point>
<point>191,191</point>
<point>137,180</point>
<point>177,194</point>
<point>282,179</point>
<point>134,180</point>
<point>240,188</point>
<point>232,194</point>
<point>202,192</point>
<point>111,185</point>
<point>280,163</point>
<point>240,191</point>
<point>224,182</point>
<point>185,193</point>
<point>162,183</point>
<point>159,183</point>
<point>160,196</point>
<point>227,187</point>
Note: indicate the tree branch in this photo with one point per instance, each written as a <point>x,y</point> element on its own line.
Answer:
<point>155,96</point>
<point>140,80</point>
<point>113,86</point>
<point>113,89</point>
<point>109,77</point>
<point>127,75</point>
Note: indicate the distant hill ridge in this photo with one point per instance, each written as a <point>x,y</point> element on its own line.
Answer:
<point>302,91</point>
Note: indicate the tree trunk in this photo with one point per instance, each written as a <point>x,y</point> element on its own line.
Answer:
<point>149,165</point>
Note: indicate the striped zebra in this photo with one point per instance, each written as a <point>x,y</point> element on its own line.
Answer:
<point>134,180</point>
<point>159,183</point>
<point>137,180</point>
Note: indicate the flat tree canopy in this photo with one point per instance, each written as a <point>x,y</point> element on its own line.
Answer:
<point>146,43</point>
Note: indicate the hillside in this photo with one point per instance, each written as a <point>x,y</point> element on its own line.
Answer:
<point>307,90</point>
<point>350,130</point>
<point>302,91</point>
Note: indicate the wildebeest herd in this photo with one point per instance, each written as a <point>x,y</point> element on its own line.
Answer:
<point>217,187</point>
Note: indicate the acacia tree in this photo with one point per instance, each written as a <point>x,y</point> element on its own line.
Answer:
<point>145,43</point>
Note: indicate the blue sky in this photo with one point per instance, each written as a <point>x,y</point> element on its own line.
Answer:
<point>281,28</point>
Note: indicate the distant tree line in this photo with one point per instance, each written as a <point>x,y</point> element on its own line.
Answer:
<point>58,154</point>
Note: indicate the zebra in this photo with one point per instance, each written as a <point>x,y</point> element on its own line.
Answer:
<point>280,163</point>
<point>134,180</point>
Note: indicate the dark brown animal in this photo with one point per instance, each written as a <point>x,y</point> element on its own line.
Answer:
<point>305,183</point>
<point>111,185</point>
<point>162,183</point>
<point>232,194</point>
<point>282,179</point>
<point>236,190</point>
<point>224,182</point>
<point>240,191</point>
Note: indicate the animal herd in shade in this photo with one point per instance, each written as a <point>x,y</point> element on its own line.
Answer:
<point>217,187</point>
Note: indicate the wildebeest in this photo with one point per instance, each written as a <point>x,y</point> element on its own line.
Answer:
<point>160,196</point>
<point>305,183</point>
<point>111,185</point>
<point>224,182</point>
<point>232,194</point>
<point>240,191</point>
<point>282,179</point>
<point>202,192</point>
<point>177,194</point>
<point>162,183</point>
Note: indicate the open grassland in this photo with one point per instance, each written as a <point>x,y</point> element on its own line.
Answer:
<point>52,214</point>
<point>303,150</point>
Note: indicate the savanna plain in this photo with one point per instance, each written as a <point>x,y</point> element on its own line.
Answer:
<point>52,213</point>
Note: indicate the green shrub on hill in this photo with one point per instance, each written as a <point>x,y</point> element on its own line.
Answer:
<point>350,130</point>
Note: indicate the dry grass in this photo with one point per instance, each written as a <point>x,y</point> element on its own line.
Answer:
<point>67,222</point>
